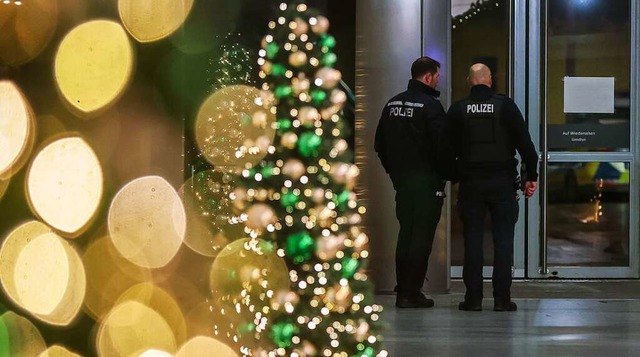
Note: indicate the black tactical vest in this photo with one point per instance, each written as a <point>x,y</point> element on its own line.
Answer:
<point>485,138</point>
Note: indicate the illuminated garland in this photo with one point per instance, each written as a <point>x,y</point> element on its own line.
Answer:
<point>475,9</point>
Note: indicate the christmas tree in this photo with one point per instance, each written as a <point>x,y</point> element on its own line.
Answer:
<point>299,208</point>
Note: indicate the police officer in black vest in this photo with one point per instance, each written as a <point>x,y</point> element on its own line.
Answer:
<point>410,125</point>
<point>485,130</point>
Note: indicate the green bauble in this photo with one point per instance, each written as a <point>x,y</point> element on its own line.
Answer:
<point>308,144</point>
<point>282,333</point>
<point>246,328</point>
<point>328,41</point>
<point>329,59</point>
<point>342,199</point>
<point>278,70</point>
<point>272,50</point>
<point>284,124</point>
<point>267,171</point>
<point>349,267</point>
<point>368,352</point>
<point>318,96</point>
<point>300,246</point>
<point>288,199</point>
<point>282,91</point>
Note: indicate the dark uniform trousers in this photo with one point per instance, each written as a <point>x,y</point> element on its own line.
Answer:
<point>498,196</point>
<point>418,208</point>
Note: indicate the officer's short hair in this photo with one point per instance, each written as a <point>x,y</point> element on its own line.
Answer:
<point>424,65</point>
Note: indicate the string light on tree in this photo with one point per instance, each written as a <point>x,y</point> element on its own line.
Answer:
<point>307,206</point>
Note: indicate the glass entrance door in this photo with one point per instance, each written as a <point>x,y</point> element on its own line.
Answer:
<point>583,112</point>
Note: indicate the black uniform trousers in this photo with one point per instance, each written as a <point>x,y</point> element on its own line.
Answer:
<point>418,208</point>
<point>497,195</point>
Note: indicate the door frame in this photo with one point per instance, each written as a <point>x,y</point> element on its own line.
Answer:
<point>535,112</point>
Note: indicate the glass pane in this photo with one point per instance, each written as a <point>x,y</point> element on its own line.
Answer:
<point>588,74</point>
<point>588,214</point>
<point>473,23</point>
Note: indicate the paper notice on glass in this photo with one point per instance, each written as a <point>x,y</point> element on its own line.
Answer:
<point>589,94</point>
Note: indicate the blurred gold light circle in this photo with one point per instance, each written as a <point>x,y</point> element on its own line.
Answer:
<point>3,186</point>
<point>147,221</point>
<point>17,128</point>
<point>26,30</point>
<point>229,124</point>
<point>109,275</point>
<point>209,209</point>
<point>161,302</point>
<point>11,248</point>
<point>155,353</point>
<point>131,328</point>
<point>201,346</point>
<point>58,351</point>
<point>93,66</point>
<point>23,338</point>
<point>42,273</point>
<point>64,184</point>
<point>241,277</point>
<point>248,261</point>
<point>149,21</point>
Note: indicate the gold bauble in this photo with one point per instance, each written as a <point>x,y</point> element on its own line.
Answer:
<point>317,195</point>
<point>293,168</point>
<point>300,84</point>
<point>320,25</point>
<point>338,97</point>
<point>329,246</point>
<point>308,115</point>
<point>259,216</point>
<point>298,58</point>
<point>329,77</point>
<point>300,27</point>
<point>289,140</point>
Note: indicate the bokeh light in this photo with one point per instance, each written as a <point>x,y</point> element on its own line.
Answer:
<point>243,278</point>
<point>93,66</point>
<point>149,21</point>
<point>162,303</point>
<point>202,346</point>
<point>58,351</point>
<point>132,328</point>
<point>235,125</point>
<point>210,214</point>
<point>42,273</point>
<point>155,353</point>
<point>17,128</point>
<point>64,185</point>
<point>21,337</point>
<point>4,183</point>
<point>26,30</point>
<point>147,221</point>
<point>109,275</point>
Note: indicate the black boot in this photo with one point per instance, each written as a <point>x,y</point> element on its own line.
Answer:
<point>470,305</point>
<point>506,305</point>
<point>413,300</point>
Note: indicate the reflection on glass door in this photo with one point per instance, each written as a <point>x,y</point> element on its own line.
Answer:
<point>588,161</point>
<point>588,214</point>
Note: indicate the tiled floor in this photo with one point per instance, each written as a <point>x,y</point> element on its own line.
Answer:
<point>553,319</point>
